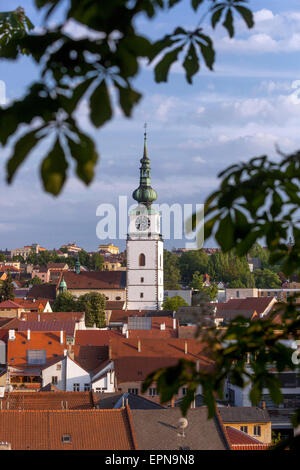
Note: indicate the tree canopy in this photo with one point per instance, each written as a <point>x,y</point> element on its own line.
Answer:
<point>94,68</point>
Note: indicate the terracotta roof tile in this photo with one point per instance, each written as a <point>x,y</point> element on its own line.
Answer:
<point>49,400</point>
<point>87,429</point>
<point>95,279</point>
<point>48,340</point>
<point>95,337</point>
<point>239,440</point>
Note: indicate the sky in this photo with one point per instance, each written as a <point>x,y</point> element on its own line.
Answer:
<point>244,108</point>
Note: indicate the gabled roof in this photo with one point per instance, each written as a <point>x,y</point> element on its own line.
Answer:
<point>45,340</point>
<point>49,400</point>
<point>239,440</point>
<point>114,305</point>
<point>9,304</point>
<point>95,337</point>
<point>95,280</point>
<point>117,400</point>
<point>159,430</point>
<point>67,326</point>
<point>86,429</point>
<point>90,357</point>
<point>44,291</point>
<point>53,316</point>
<point>156,331</point>
<point>244,414</point>
<point>245,307</point>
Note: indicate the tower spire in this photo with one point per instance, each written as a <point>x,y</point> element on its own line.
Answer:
<point>145,194</point>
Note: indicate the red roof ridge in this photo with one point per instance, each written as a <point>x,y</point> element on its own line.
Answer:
<point>131,427</point>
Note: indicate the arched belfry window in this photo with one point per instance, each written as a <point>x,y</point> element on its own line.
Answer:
<point>142,259</point>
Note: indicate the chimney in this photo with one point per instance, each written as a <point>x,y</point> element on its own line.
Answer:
<point>197,365</point>
<point>11,335</point>
<point>28,335</point>
<point>139,346</point>
<point>185,347</point>
<point>174,324</point>
<point>263,405</point>
<point>65,352</point>
<point>127,334</point>
<point>162,326</point>
<point>61,337</point>
<point>109,352</point>
<point>39,317</point>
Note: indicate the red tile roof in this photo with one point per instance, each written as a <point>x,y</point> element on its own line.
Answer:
<point>132,365</point>
<point>239,440</point>
<point>48,340</point>
<point>57,400</point>
<point>156,331</point>
<point>87,429</point>
<point>9,304</point>
<point>90,357</point>
<point>95,337</point>
<point>53,316</point>
<point>121,316</point>
<point>94,279</point>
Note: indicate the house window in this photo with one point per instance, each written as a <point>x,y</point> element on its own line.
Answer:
<point>257,430</point>
<point>133,391</point>
<point>184,390</point>
<point>58,366</point>
<point>142,260</point>
<point>142,279</point>
<point>153,392</point>
<point>76,387</point>
<point>237,293</point>
<point>54,380</point>
<point>244,429</point>
<point>141,295</point>
<point>118,298</point>
<point>66,438</point>
<point>87,387</point>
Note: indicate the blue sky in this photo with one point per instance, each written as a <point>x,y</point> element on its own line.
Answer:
<point>242,109</point>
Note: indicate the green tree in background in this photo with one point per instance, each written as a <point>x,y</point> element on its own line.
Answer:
<point>34,281</point>
<point>7,289</point>
<point>191,261</point>
<point>171,271</point>
<point>265,278</point>
<point>198,284</point>
<point>93,304</point>
<point>65,302</point>
<point>173,303</point>
<point>96,262</point>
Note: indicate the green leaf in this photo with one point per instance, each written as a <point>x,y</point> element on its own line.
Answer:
<point>216,17</point>
<point>53,169</point>
<point>128,98</point>
<point>246,14</point>
<point>191,63</point>
<point>84,152</point>
<point>207,50</point>
<point>228,23</point>
<point>21,149</point>
<point>78,92</point>
<point>196,3</point>
<point>162,68</point>
<point>101,110</point>
<point>225,233</point>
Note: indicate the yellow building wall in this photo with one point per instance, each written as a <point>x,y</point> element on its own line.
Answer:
<point>266,430</point>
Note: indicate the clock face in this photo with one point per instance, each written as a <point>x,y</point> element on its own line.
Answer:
<point>142,223</point>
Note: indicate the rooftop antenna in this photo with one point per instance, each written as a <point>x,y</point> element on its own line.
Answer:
<point>182,425</point>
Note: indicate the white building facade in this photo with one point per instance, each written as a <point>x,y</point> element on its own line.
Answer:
<point>145,281</point>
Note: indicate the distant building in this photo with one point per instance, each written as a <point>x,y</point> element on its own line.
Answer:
<point>71,248</point>
<point>109,248</point>
<point>281,294</point>
<point>186,294</point>
<point>26,250</point>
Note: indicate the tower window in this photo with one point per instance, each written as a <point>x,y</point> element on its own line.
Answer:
<point>142,279</point>
<point>142,259</point>
<point>141,295</point>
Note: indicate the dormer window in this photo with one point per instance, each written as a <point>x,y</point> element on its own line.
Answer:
<point>66,438</point>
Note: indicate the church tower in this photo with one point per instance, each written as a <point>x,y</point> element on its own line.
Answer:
<point>145,281</point>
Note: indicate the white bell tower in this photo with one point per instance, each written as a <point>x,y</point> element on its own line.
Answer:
<point>145,280</point>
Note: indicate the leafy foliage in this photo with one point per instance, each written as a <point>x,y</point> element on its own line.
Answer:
<point>256,200</point>
<point>7,289</point>
<point>94,68</point>
<point>173,303</point>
